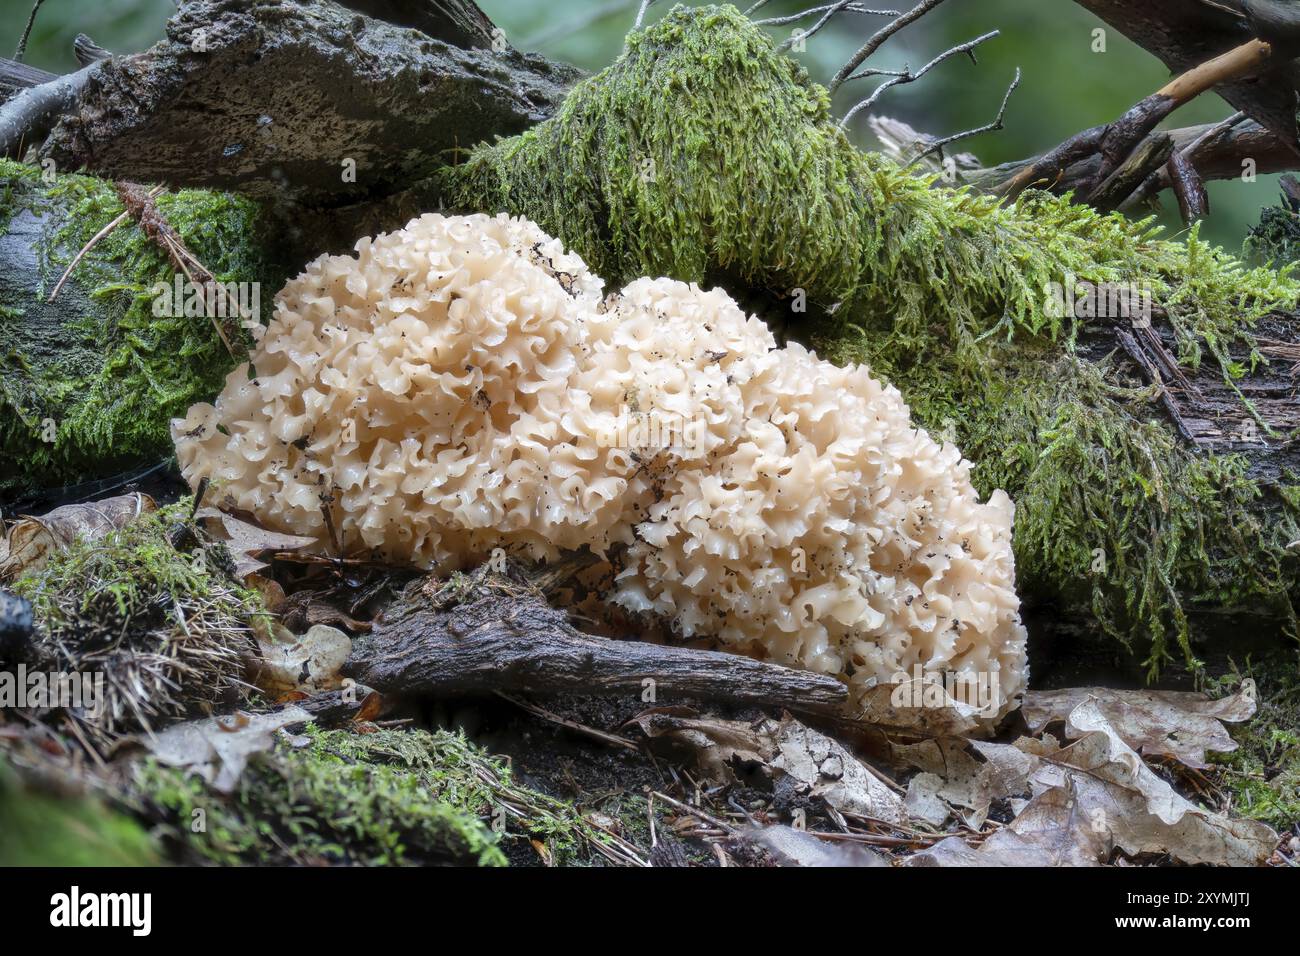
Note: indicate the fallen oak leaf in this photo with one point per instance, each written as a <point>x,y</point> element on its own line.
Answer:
<point>246,540</point>
<point>974,773</point>
<point>1178,724</point>
<point>820,765</point>
<point>218,749</point>
<point>1140,812</point>
<point>31,541</point>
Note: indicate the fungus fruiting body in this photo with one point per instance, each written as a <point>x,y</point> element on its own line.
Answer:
<point>705,152</point>
<point>460,385</point>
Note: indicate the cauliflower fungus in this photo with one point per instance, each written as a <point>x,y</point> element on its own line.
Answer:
<point>461,385</point>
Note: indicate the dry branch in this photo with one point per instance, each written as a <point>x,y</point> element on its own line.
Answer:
<point>506,638</point>
<point>1187,33</point>
<point>1114,142</point>
<point>878,39</point>
<point>1217,156</point>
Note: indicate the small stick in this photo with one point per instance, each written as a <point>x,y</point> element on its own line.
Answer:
<point>1116,140</point>
<point>907,76</point>
<point>592,732</point>
<point>27,32</point>
<point>695,812</point>
<point>996,125</point>
<point>877,40</point>
<point>94,240</point>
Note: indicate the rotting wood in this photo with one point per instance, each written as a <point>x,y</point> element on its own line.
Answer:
<point>308,103</point>
<point>503,637</point>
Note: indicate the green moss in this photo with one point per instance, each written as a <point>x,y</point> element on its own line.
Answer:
<point>96,364</point>
<point>44,829</point>
<point>1275,239</point>
<point>168,628</point>
<point>704,154</point>
<point>389,797</point>
<point>1263,775</point>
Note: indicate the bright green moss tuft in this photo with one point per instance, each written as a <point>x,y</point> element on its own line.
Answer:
<point>1262,776</point>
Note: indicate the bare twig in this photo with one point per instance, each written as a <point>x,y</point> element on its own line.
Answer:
<point>1115,141</point>
<point>594,733</point>
<point>940,143</point>
<point>831,10</point>
<point>1193,201</point>
<point>1159,179</point>
<point>695,812</point>
<point>831,7</point>
<point>1150,154</point>
<point>94,241</point>
<point>877,40</point>
<point>1218,156</point>
<point>33,111</point>
<point>640,13</point>
<point>907,76</point>
<point>27,32</point>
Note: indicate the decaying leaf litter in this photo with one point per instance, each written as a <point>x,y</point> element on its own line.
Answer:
<point>1094,776</point>
<point>233,653</point>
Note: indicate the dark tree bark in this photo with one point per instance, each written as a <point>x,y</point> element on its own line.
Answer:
<point>502,639</point>
<point>1187,33</point>
<point>284,101</point>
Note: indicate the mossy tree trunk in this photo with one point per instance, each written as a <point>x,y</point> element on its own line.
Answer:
<point>90,379</point>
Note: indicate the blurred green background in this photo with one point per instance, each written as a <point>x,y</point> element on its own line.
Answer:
<point>1067,86</point>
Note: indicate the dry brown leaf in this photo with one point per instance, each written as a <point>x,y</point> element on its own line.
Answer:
<point>217,748</point>
<point>32,540</point>
<point>1122,798</point>
<point>974,773</point>
<point>246,540</point>
<point>942,715</point>
<point>371,707</point>
<point>923,801</point>
<point>311,662</point>
<point>1178,724</point>
<point>820,765</point>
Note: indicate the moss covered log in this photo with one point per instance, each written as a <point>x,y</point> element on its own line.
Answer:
<point>89,380</point>
<point>705,154</point>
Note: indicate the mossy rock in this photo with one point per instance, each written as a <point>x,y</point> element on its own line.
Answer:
<point>705,154</point>
<point>89,382</point>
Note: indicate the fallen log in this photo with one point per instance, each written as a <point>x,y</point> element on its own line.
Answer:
<point>93,362</point>
<point>308,103</point>
<point>502,637</point>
